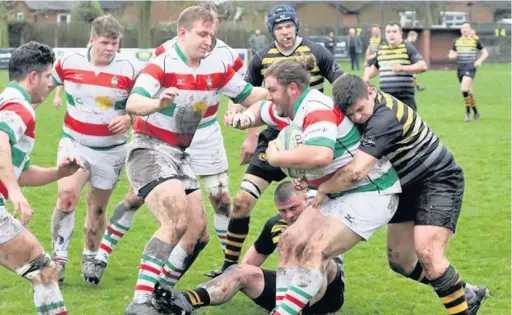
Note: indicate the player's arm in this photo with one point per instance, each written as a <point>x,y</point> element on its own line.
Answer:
<point>453,52</point>
<point>58,96</point>
<point>417,65</point>
<point>7,176</point>
<point>371,71</point>
<point>483,53</point>
<point>383,129</point>
<point>320,130</point>
<point>38,176</point>
<point>263,247</point>
<point>141,101</point>
<point>329,68</point>
<point>58,77</point>
<point>252,257</point>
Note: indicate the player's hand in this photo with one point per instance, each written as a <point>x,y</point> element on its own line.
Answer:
<point>247,150</point>
<point>478,63</point>
<point>120,124</point>
<point>21,206</point>
<point>242,121</point>
<point>56,102</point>
<point>319,197</point>
<point>272,153</point>
<point>229,116</point>
<point>397,68</point>
<point>69,166</point>
<point>300,183</point>
<point>167,97</point>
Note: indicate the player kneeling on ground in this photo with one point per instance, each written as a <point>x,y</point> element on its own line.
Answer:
<point>257,283</point>
<point>30,69</point>
<point>329,142</point>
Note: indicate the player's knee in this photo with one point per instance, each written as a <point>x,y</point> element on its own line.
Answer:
<point>242,205</point>
<point>67,199</point>
<point>217,188</point>
<point>40,270</point>
<point>96,211</point>
<point>249,275</point>
<point>400,261</point>
<point>222,204</point>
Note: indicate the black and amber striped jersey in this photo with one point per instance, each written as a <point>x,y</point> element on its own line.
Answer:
<point>467,50</point>
<point>398,132</point>
<point>396,82</point>
<point>373,45</point>
<point>269,236</point>
<point>326,66</point>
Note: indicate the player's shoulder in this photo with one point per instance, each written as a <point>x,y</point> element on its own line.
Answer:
<point>319,100</point>
<point>273,221</point>
<point>266,50</point>
<point>386,109</point>
<point>74,59</point>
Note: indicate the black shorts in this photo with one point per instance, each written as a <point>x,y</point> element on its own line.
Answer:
<point>259,166</point>
<point>436,201</point>
<point>331,302</point>
<point>470,72</point>
<point>407,98</point>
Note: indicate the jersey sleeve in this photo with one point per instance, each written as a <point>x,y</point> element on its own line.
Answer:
<point>479,45</point>
<point>320,126</point>
<point>150,79</point>
<point>413,53</point>
<point>329,68</point>
<point>380,133</point>
<point>58,73</point>
<point>269,117</point>
<point>160,50</point>
<point>264,245</point>
<point>234,86</point>
<point>454,46</point>
<point>14,121</point>
<point>253,74</point>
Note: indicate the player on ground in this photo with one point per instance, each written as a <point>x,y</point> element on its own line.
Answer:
<point>433,186</point>
<point>97,85</point>
<point>208,160</point>
<point>329,142</point>
<point>170,98</point>
<point>396,63</point>
<point>30,69</point>
<point>412,38</point>
<point>284,27</point>
<point>465,49</point>
<point>373,45</point>
<point>257,283</point>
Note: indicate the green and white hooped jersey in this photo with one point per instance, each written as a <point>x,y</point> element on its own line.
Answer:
<point>325,125</point>
<point>18,120</point>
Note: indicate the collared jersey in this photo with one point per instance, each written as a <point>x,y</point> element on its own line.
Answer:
<point>220,51</point>
<point>198,93</point>
<point>94,97</point>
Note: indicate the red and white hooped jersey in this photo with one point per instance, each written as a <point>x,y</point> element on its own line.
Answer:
<point>94,97</point>
<point>198,95</point>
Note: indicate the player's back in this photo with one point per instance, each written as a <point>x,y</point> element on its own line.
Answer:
<point>417,152</point>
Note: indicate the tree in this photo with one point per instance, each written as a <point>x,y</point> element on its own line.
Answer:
<point>144,26</point>
<point>5,11</point>
<point>86,12</point>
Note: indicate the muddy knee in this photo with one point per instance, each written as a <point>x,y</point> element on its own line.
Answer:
<point>401,261</point>
<point>242,206</point>
<point>67,200</point>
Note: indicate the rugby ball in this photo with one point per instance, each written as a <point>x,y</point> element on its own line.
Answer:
<point>289,138</point>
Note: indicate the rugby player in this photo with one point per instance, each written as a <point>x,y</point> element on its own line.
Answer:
<point>170,98</point>
<point>433,187</point>
<point>30,69</point>
<point>284,26</point>
<point>257,283</point>
<point>396,63</point>
<point>97,84</point>
<point>329,142</point>
<point>465,50</point>
<point>208,160</point>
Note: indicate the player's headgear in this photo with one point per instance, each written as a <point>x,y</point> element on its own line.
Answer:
<point>281,14</point>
